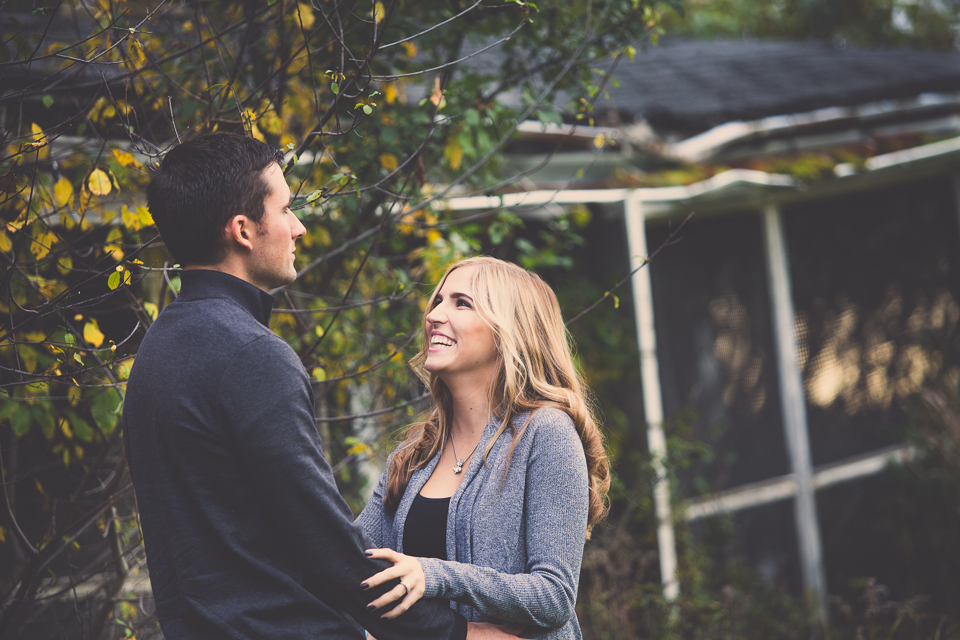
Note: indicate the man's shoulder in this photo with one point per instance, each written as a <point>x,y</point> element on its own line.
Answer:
<point>205,336</point>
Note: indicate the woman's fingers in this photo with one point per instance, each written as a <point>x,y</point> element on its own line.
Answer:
<point>388,554</point>
<point>390,596</point>
<point>412,581</point>
<point>386,575</point>
<point>401,608</point>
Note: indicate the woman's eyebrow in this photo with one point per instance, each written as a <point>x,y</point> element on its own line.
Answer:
<point>461,295</point>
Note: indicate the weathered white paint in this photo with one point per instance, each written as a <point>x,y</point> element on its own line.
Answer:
<point>793,407</point>
<point>652,398</point>
<point>783,487</point>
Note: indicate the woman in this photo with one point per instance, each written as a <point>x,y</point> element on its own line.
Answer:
<point>496,491</point>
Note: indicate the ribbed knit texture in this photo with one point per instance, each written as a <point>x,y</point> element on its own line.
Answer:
<point>517,542</point>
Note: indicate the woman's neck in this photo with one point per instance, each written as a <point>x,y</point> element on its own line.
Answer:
<point>471,410</point>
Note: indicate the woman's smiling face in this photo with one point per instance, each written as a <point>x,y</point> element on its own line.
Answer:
<point>461,343</point>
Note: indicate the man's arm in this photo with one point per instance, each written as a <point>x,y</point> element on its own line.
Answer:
<point>268,402</point>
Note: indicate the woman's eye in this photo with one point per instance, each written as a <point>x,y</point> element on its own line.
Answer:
<point>463,303</point>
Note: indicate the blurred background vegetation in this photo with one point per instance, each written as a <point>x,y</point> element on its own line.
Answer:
<point>385,108</point>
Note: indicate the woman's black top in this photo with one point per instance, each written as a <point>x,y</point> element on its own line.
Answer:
<point>425,530</point>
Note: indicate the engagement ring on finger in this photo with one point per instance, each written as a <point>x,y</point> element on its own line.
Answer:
<point>405,587</point>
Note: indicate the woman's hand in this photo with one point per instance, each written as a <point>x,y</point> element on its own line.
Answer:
<point>405,567</point>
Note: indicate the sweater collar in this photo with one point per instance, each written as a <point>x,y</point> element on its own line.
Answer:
<point>197,284</point>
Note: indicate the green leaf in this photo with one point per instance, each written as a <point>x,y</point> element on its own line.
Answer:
<point>151,310</point>
<point>389,134</point>
<point>8,408</point>
<point>313,197</point>
<point>47,100</point>
<point>114,280</point>
<point>335,88</point>
<point>367,109</point>
<point>43,417</point>
<point>81,429</point>
<point>21,420</point>
<point>105,409</point>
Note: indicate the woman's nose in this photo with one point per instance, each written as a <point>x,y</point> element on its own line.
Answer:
<point>436,315</point>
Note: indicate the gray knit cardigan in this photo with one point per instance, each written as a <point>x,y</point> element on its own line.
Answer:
<point>518,542</point>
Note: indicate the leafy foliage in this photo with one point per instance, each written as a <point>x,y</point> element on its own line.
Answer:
<point>384,108</point>
<point>921,23</point>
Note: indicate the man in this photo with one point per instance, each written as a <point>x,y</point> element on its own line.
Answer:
<point>245,532</point>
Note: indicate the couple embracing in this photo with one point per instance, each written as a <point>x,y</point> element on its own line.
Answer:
<point>476,528</point>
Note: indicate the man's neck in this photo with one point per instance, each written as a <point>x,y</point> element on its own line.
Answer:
<point>229,265</point>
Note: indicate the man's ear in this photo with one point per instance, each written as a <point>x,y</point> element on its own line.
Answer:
<point>240,230</point>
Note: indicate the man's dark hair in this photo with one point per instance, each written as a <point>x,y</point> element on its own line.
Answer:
<point>203,183</point>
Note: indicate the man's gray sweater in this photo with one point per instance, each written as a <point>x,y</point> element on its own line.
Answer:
<point>246,534</point>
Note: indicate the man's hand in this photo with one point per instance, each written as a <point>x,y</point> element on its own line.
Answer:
<point>487,631</point>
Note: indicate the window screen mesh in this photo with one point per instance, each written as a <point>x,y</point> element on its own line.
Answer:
<point>875,286</point>
<point>715,346</point>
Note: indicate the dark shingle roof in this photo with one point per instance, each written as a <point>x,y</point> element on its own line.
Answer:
<point>689,86</point>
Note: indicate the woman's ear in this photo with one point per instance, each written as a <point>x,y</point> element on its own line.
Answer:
<point>239,231</point>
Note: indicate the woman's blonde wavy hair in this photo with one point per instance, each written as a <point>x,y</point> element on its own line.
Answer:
<point>535,370</point>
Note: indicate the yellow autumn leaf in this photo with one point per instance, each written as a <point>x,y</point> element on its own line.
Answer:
<point>115,251</point>
<point>65,264</point>
<point>62,191</point>
<point>306,14</point>
<point>410,48</point>
<point>146,220</point>
<point>389,161</point>
<point>92,333</point>
<point>126,159</point>
<point>270,123</point>
<point>39,141</point>
<point>436,96</point>
<point>136,50</point>
<point>99,182</point>
<point>360,447</point>
<point>379,13</point>
<point>390,92</point>
<point>42,244</point>
<point>5,244</point>
<point>599,141</point>
<point>131,219</point>
<point>453,153</point>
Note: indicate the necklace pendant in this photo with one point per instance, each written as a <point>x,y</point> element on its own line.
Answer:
<point>457,468</point>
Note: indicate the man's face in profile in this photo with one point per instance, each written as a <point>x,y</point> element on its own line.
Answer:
<point>271,262</point>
